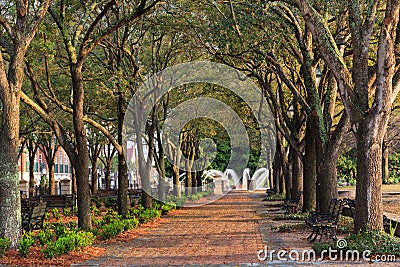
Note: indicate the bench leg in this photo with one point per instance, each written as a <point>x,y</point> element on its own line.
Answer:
<point>316,232</point>
<point>309,238</point>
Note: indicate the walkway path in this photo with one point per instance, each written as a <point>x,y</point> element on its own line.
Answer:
<point>223,232</point>
<point>228,232</point>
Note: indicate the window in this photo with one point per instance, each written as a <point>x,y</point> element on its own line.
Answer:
<point>40,162</point>
<point>56,168</point>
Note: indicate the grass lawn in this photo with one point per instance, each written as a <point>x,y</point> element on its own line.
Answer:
<point>385,188</point>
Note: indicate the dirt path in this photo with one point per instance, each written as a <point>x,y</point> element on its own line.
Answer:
<point>223,232</point>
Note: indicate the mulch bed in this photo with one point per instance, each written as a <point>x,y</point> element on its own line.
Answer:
<point>36,257</point>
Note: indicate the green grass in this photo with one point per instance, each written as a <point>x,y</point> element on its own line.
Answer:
<point>385,188</point>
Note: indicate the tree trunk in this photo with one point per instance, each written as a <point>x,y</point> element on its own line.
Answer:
<point>310,168</point>
<point>50,165</point>
<point>123,184</point>
<point>107,173</point>
<point>327,189</point>
<point>161,180</point>
<point>74,191</point>
<point>82,157</point>
<point>369,208</point>
<point>288,181</point>
<point>10,85</point>
<point>94,178</point>
<point>123,181</point>
<point>188,184</point>
<point>327,163</point>
<point>177,183</point>
<point>10,205</point>
<point>277,174</point>
<point>280,162</point>
<point>297,174</point>
<point>199,181</point>
<point>385,163</point>
<point>194,182</point>
<point>160,158</point>
<point>31,174</point>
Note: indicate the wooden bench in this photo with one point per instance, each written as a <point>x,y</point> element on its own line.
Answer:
<point>58,201</point>
<point>292,205</point>
<point>34,219</point>
<point>107,193</point>
<point>27,204</point>
<point>134,194</point>
<point>109,197</point>
<point>325,223</point>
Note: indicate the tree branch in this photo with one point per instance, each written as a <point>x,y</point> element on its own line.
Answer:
<point>7,27</point>
<point>36,23</point>
<point>86,47</point>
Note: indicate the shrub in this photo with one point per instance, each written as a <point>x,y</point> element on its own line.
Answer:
<point>59,229</point>
<point>112,229</point>
<point>97,202</point>
<point>83,239</point>
<point>149,214</point>
<point>345,224</point>
<point>375,241</point>
<point>157,204</point>
<point>75,210</point>
<point>4,246</point>
<point>167,207</point>
<point>392,228</point>
<point>110,216</point>
<point>135,212</point>
<point>194,197</point>
<point>318,247</point>
<point>69,242</point>
<point>97,222</point>
<point>110,202</point>
<point>67,212</point>
<point>25,243</point>
<point>176,200</point>
<point>130,223</point>
<point>71,225</point>
<point>95,231</point>
<point>45,236</point>
<point>347,168</point>
<point>95,210</point>
<point>56,213</point>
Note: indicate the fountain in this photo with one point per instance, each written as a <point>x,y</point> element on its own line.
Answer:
<point>224,180</point>
<point>259,179</point>
<point>220,180</point>
<point>233,178</point>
